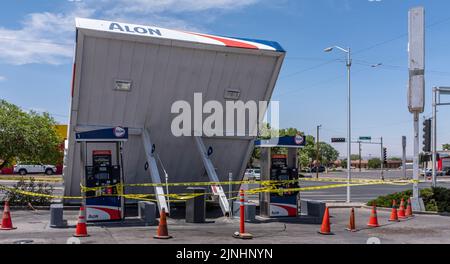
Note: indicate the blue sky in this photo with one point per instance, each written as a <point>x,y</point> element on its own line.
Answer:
<point>36,46</point>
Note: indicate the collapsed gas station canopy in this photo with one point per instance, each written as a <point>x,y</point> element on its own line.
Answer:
<point>128,75</point>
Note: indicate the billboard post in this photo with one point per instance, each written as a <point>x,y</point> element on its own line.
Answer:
<point>416,87</point>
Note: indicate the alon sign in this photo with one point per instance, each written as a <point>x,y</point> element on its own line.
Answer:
<point>134,29</point>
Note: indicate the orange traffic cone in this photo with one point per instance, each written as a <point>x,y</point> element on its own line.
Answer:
<point>352,224</point>
<point>409,212</point>
<point>401,210</point>
<point>6,219</point>
<point>81,230</point>
<point>163,232</point>
<point>326,229</point>
<point>373,221</point>
<point>394,213</point>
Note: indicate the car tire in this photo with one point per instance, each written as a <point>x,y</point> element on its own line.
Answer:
<point>49,171</point>
<point>23,172</point>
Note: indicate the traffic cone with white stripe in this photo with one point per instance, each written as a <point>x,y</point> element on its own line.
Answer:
<point>81,230</point>
<point>401,210</point>
<point>409,212</point>
<point>394,213</point>
<point>373,221</point>
<point>163,232</point>
<point>326,226</point>
<point>6,219</point>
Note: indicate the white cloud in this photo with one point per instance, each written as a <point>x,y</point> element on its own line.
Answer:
<point>48,38</point>
<point>43,38</point>
<point>2,78</point>
<point>173,6</point>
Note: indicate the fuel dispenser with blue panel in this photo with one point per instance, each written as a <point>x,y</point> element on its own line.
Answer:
<point>281,168</point>
<point>103,172</point>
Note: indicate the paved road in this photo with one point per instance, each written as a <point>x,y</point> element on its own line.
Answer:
<point>361,194</point>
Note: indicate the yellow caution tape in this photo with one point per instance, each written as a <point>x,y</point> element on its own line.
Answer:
<point>268,187</point>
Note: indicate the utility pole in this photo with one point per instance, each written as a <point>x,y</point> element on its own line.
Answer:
<point>318,151</point>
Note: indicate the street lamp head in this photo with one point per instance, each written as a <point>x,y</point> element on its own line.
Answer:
<point>376,65</point>
<point>329,49</point>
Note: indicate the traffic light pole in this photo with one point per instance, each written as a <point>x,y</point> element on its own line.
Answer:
<point>382,160</point>
<point>437,92</point>
<point>434,137</point>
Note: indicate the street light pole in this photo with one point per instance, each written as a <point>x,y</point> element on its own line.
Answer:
<point>349,123</point>
<point>349,127</point>
<point>318,152</point>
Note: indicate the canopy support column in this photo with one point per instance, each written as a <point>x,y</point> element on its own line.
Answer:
<point>212,174</point>
<point>154,172</point>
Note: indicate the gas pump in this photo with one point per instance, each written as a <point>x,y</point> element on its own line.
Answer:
<point>103,167</point>
<point>283,203</point>
<point>282,170</point>
<point>103,176</point>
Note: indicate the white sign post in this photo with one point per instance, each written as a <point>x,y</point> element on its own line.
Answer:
<point>416,87</point>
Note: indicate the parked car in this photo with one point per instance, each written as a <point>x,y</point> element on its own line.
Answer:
<point>24,169</point>
<point>429,172</point>
<point>446,172</point>
<point>253,174</point>
<point>257,174</point>
<point>320,169</point>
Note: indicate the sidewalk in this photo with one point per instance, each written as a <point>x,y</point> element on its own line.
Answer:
<point>33,226</point>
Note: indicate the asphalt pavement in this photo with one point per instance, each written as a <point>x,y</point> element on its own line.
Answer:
<point>33,227</point>
<point>360,194</point>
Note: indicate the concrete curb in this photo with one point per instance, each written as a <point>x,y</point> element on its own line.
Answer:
<point>344,205</point>
<point>415,212</point>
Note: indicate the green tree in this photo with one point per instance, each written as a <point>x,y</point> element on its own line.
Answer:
<point>29,137</point>
<point>446,147</point>
<point>374,163</point>
<point>354,157</point>
<point>328,154</point>
<point>344,163</point>
<point>306,154</point>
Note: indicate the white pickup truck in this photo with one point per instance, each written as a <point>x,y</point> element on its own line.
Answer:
<point>24,169</point>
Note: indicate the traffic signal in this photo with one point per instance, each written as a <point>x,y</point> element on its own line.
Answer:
<point>385,155</point>
<point>427,135</point>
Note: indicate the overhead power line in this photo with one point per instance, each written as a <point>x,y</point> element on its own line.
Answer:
<point>361,50</point>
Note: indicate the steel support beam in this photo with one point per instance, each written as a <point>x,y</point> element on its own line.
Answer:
<point>212,174</point>
<point>154,172</point>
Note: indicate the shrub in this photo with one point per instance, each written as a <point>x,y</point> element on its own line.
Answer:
<point>435,199</point>
<point>16,198</point>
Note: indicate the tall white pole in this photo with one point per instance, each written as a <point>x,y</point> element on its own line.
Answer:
<point>349,133</point>
<point>404,157</point>
<point>416,158</point>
